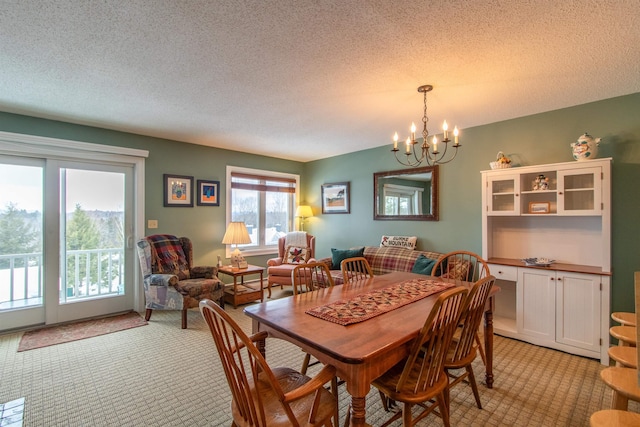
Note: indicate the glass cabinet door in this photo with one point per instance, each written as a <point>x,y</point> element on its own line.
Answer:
<point>503,195</point>
<point>579,191</point>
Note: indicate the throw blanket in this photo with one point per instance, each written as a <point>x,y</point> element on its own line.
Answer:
<point>296,238</point>
<point>168,256</point>
<point>375,303</point>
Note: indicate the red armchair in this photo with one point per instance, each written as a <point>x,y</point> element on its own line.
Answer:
<point>279,271</point>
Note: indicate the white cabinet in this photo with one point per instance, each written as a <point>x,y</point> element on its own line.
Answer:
<point>535,305</point>
<point>578,303</point>
<point>580,191</point>
<point>565,306</point>
<point>504,194</point>
<point>560,309</point>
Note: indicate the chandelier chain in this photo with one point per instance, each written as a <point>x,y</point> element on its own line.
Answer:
<point>425,120</point>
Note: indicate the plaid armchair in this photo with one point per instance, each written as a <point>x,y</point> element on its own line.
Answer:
<point>170,280</point>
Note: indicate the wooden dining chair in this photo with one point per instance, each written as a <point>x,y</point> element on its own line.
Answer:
<point>307,278</point>
<point>421,377</point>
<point>462,351</point>
<point>463,266</point>
<point>355,269</point>
<point>262,396</point>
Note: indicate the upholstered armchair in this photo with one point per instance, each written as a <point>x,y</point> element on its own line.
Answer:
<point>291,252</point>
<point>171,282</point>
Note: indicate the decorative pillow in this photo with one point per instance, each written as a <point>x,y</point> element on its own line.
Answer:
<point>296,255</point>
<point>408,242</point>
<point>338,255</point>
<point>423,265</point>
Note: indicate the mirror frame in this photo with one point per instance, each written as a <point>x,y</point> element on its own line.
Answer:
<point>433,216</point>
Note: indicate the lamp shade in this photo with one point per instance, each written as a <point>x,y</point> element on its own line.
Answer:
<point>304,211</point>
<point>236,234</point>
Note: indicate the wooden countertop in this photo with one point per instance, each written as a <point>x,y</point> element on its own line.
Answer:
<point>556,266</point>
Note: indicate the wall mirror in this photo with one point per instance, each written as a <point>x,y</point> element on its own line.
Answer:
<point>407,194</point>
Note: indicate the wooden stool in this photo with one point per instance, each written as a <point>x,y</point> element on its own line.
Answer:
<point>624,356</point>
<point>624,383</point>
<point>614,418</point>
<point>624,318</point>
<point>626,335</point>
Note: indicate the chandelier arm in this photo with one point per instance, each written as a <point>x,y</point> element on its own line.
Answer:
<point>407,163</point>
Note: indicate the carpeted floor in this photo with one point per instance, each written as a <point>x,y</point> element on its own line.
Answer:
<point>161,375</point>
<point>79,330</point>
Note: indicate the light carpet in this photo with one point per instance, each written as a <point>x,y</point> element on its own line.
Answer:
<point>161,375</point>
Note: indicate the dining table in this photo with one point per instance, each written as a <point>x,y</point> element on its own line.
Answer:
<point>362,351</point>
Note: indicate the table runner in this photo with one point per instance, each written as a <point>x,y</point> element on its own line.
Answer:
<point>371,304</point>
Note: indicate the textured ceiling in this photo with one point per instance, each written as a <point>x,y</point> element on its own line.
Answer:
<point>309,79</point>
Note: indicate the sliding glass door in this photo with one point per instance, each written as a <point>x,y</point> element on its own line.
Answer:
<point>94,262</point>
<point>21,240</point>
<point>66,240</point>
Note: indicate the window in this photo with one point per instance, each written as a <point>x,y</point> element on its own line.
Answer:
<point>265,201</point>
<point>402,200</point>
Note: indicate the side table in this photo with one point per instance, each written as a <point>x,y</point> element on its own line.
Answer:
<point>242,293</point>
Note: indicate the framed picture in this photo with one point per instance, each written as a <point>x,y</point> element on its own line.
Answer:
<point>208,193</point>
<point>178,190</point>
<point>335,198</point>
<point>539,207</point>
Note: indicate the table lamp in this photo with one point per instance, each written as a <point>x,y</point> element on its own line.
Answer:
<point>303,211</point>
<point>237,234</point>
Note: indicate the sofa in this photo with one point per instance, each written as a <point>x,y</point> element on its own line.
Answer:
<point>382,260</point>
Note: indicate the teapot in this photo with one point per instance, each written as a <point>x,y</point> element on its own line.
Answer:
<point>585,148</point>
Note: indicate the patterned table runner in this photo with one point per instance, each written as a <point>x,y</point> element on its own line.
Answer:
<point>374,303</point>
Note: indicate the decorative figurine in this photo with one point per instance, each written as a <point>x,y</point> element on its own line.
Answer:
<point>540,183</point>
<point>585,148</point>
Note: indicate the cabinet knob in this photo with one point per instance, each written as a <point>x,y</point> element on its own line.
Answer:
<point>559,279</point>
<point>553,278</point>
<point>499,272</point>
<point>559,192</point>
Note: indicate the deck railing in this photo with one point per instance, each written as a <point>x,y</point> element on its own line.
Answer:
<point>89,273</point>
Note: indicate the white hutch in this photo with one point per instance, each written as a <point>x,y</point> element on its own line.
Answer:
<point>564,306</point>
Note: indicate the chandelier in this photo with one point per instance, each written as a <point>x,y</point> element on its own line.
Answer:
<point>434,153</point>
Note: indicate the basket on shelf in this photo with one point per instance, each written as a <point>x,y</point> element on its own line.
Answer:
<point>502,162</point>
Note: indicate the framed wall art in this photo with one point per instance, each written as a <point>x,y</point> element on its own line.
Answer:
<point>178,190</point>
<point>335,198</point>
<point>539,207</point>
<point>208,193</point>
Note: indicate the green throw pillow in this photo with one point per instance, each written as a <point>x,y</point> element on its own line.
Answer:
<point>338,255</point>
<point>423,265</point>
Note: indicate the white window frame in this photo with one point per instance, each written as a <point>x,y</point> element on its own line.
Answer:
<point>265,249</point>
<point>414,194</point>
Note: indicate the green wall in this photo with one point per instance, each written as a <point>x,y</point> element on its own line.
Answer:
<point>204,225</point>
<point>537,139</point>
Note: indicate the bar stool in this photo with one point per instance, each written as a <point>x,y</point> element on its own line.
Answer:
<point>624,383</point>
<point>614,418</point>
<point>624,356</point>
<point>624,318</point>
<point>626,335</point>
